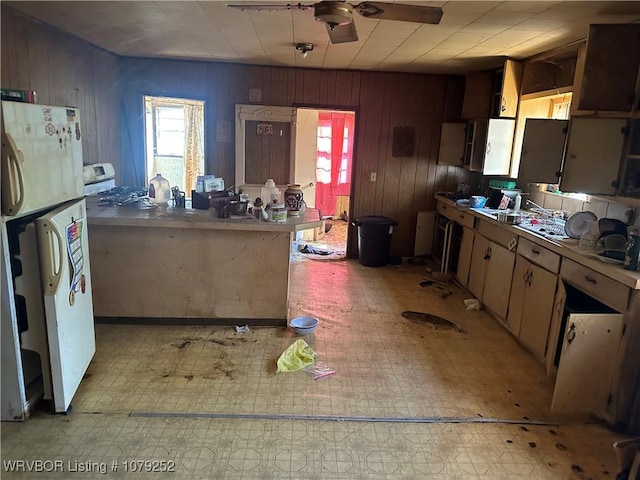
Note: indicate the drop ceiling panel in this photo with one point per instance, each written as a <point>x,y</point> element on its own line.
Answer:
<point>470,35</point>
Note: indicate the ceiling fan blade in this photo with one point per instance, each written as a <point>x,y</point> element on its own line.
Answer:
<point>258,8</point>
<point>343,33</point>
<point>399,11</point>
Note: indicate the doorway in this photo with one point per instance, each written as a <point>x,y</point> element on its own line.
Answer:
<point>323,167</point>
<point>174,140</point>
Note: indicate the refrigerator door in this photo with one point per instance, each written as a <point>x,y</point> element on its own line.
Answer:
<point>41,157</point>
<point>66,281</point>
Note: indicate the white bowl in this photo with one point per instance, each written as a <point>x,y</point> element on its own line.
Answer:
<point>304,325</point>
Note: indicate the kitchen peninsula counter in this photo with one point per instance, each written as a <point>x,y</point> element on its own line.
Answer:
<point>175,265</point>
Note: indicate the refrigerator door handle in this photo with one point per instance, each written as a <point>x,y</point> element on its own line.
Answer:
<point>52,249</point>
<point>12,194</point>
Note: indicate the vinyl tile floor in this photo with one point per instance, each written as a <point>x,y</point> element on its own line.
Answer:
<point>407,400</point>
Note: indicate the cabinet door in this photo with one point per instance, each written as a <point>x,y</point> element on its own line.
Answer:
<point>593,155</point>
<point>464,257</point>
<point>497,156</point>
<point>587,363</point>
<point>478,132</point>
<point>542,148</point>
<point>498,280</point>
<point>510,93</point>
<point>477,95</point>
<point>452,139</point>
<point>538,308</point>
<point>518,294</point>
<point>610,68</point>
<point>478,268</point>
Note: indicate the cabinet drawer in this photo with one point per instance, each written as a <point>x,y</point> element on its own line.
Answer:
<point>600,287</point>
<point>540,255</point>
<point>446,210</point>
<point>496,234</point>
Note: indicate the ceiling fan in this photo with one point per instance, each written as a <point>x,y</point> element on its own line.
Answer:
<point>338,15</point>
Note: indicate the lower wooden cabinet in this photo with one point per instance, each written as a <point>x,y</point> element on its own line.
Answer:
<point>464,256</point>
<point>490,274</point>
<point>531,305</point>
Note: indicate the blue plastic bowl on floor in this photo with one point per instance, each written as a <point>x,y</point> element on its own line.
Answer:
<point>304,325</point>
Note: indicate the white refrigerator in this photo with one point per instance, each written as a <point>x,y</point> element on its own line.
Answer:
<point>47,326</point>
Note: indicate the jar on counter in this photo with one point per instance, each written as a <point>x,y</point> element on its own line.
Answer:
<point>277,213</point>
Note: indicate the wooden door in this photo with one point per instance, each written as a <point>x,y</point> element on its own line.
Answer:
<point>593,154</point>
<point>464,256</point>
<point>477,95</point>
<point>518,294</point>
<point>538,308</point>
<point>498,280</point>
<point>587,363</point>
<point>542,148</point>
<point>478,267</point>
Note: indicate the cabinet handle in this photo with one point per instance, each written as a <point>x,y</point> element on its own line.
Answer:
<point>590,279</point>
<point>487,254</point>
<point>462,217</point>
<point>530,279</point>
<point>571,335</point>
<point>535,251</point>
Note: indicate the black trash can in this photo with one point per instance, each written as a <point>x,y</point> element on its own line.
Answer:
<point>374,239</point>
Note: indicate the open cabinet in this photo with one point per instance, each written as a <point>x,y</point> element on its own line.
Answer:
<point>586,350</point>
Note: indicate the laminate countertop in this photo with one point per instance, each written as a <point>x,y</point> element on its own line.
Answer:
<point>171,217</point>
<point>568,248</point>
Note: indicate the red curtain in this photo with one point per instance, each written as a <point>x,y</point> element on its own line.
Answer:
<point>337,181</point>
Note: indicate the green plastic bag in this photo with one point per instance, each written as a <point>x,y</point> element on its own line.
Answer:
<point>297,356</point>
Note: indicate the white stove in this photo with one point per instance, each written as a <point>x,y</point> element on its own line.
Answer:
<point>98,178</point>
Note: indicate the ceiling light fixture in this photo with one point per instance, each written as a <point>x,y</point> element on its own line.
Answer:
<point>304,48</point>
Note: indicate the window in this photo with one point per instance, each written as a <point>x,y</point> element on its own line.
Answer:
<point>174,140</point>
<point>169,132</point>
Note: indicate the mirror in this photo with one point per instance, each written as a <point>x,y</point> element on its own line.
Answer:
<point>265,145</point>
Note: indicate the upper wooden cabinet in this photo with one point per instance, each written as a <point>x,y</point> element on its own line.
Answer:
<point>542,148</point>
<point>506,90</point>
<point>477,95</point>
<point>553,72</point>
<point>452,139</point>
<point>493,93</point>
<point>488,146</point>
<point>607,69</point>
<point>593,154</point>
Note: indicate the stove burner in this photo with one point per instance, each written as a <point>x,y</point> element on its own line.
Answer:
<point>117,195</point>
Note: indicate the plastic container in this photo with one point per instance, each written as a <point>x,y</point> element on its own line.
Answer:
<point>159,190</point>
<point>270,193</point>
<point>478,201</point>
<point>374,239</point>
<point>517,203</point>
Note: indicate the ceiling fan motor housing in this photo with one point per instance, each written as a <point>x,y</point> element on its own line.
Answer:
<point>333,13</point>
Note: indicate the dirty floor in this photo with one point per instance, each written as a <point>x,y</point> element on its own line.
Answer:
<point>411,398</point>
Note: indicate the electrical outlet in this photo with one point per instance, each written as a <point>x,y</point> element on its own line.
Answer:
<point>374,176</point>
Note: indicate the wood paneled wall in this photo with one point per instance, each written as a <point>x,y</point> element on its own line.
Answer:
<point>382,101</point>
<point>65,70</point>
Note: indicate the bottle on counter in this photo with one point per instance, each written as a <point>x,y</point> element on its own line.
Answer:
<point>270,193</point>
<point>517,203</point>
<point>159,190</point>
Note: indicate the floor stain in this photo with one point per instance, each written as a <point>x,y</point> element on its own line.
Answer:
<point>431,320</point>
